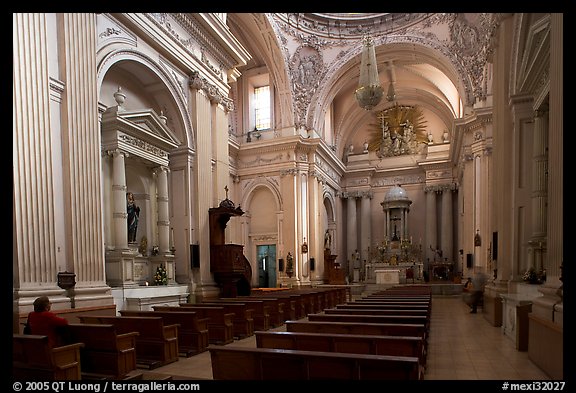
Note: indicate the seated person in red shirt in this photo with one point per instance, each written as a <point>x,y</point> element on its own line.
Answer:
<point>45,323</point>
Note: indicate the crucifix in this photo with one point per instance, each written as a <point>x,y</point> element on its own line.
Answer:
<point>226,189</point>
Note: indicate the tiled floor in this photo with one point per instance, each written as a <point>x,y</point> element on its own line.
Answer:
<point>462,346</point>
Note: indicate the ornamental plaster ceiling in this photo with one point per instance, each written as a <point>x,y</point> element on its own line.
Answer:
<point>436,62</point>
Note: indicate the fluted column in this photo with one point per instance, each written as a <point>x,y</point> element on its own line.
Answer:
<point>365,230</point>
<point>431,216</point>
<point>119,213</point>
<point>81,146</point>
<point>352,231</point>
<point>447,224</point>
<point>555,194</point>
<point>202,124</point>
<point>163,223</point>
<point>477,205</point>
<point>33,193</point>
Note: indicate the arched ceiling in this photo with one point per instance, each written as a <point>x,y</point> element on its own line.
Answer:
<point>412,50</point>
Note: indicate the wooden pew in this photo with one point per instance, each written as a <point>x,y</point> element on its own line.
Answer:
<point>106,354</point>
<point>345,343</point>
<point>156,343</point>
<point>274,307</point>
<point>382,329</point>
<point>220,326</point>
<point>286,304</point>
<point>376,311</point>
<point>241,363</point>
<point>243,319</point>
<point>192,330</point>
<point>261,313</point>
<point>387,305</point>
<point>33,359</point>
<point>369,318</point>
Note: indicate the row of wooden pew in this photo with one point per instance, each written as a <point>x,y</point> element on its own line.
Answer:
<point>114,346</point>
<point>380,336</point>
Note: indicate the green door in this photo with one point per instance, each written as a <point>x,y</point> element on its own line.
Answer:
<point>266,255</point>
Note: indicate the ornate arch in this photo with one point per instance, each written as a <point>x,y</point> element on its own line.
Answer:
<point>177,89</point>
<point>265,182</point>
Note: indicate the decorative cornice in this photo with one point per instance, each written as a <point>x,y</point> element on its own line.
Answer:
<point>145,146</point>
<point>197,35</point>
<point>392,181</point>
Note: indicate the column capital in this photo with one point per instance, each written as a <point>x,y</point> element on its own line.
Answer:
<point>116,153</point>
<point>351,194</point>
<point>161,169</point>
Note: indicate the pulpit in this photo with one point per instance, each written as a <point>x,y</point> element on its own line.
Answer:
<point>335,274</point>
<point>231,269</point>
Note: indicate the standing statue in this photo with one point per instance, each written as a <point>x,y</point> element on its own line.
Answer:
<point>327,240</point>
<point>133,215</point>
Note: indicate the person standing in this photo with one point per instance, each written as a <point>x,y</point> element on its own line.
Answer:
<point>44,322</point>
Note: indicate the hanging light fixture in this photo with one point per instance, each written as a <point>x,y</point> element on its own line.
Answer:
<point>369,92</point>
<point>391,95</point>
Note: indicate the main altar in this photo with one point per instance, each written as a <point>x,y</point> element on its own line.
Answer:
<point>396,259</point>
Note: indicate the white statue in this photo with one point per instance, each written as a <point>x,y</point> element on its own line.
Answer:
<point>430,138</point>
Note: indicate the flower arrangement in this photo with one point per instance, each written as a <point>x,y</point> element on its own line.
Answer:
<point>531,276</point>
<point>161,277</point>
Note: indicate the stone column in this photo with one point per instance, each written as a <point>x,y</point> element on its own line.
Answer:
<point>119,189</point>
<point>365,230</point>
<point>550,306</point>
<point>352,231</point>
<point>478,261</point>
<point>387,224</point>
<point>431,216</point>
<point>201,122</point>
<point>34,227</point>
<point>555,193</point>
<point>164,236</point>
<point>447,224</point>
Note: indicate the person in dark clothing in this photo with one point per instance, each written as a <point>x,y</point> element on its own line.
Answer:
<point>471,296</point>
<point>45,323</point>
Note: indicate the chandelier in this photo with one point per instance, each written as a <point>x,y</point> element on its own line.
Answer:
<point>369,92</point>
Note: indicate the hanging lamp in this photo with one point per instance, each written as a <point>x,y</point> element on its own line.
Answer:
<point>369,91</point>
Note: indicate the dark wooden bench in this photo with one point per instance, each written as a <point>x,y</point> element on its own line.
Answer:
<point>369,318</point>
<point>106,353</point>
<point>34,359</point>
<point>376,311</point>
<point>241,363</point>
<point>261,314</point>
<point>386,305</point>
<point>382,329</point>
<point>192,330</point>
<point>345,343</point>
<point>156,343</point>
<point>283,307</point>
<point>243,320</point>
<point>220,325</point>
